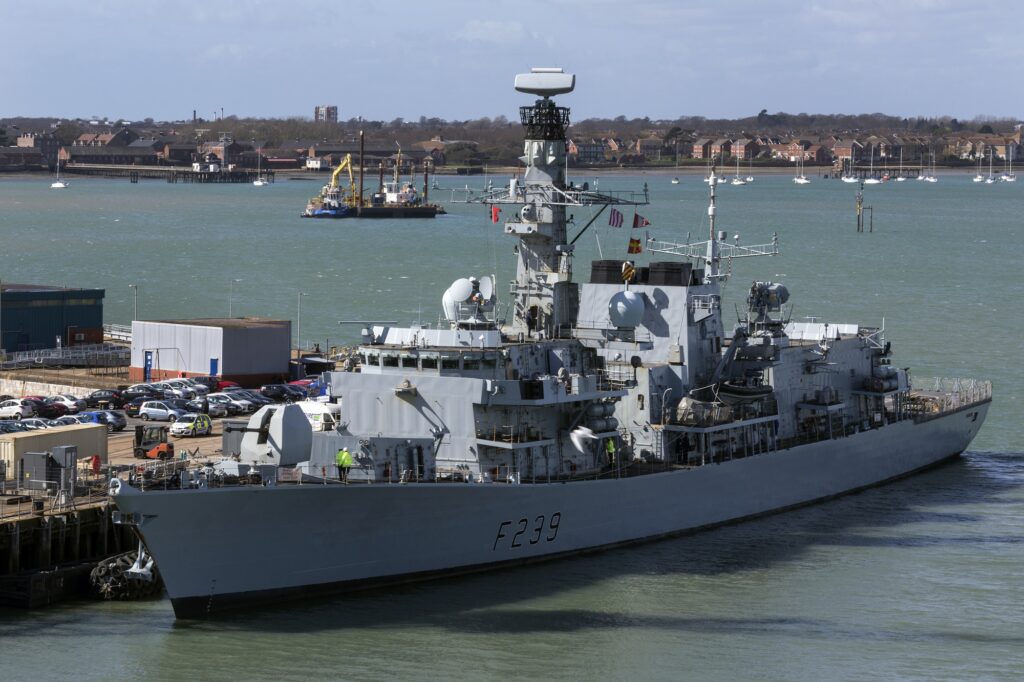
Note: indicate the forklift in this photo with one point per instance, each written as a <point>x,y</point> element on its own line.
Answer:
<point>151,442</point>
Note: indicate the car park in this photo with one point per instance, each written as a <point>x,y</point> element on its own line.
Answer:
<point>192,424</point>
<point>160,410</point>
<point>105,397</point>
<point>18,408</point>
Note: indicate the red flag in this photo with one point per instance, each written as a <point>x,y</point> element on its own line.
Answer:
<point>634,246</point>
<point>495,212</point>
<point>615,218</point>
<point>640,221</point>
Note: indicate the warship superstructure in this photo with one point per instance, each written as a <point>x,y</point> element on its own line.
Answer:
<point>571,416</point>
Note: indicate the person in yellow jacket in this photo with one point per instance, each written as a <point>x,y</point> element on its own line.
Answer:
<point>344,460</point>
<point>611,451</point>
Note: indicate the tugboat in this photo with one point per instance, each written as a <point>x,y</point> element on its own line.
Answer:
<point>573,416</point>
<point>334,201</point>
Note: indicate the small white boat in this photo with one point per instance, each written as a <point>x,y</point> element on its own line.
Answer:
<point>738,180</point>
<point>800,178</point>
<point>930,177</point>
<point>871,179</point>
<point>979,177</point>
<point>900,178</point>
<point>260,181</point>
<point>1008,175</point>
<point>675,181</point>
<point>991,178</point>
<point>850,176</point>
<point>57,182</point>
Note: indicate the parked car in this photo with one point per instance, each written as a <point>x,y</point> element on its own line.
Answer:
<point>160,410</point>
<point>112,420</point>
<point>282,392</point>
<point>69,401</point>
<point>192,424</point>
<point>234,404</point>
<point>105,397</point>
<point>188,388</point>
<point>255,397</point>
<point>215,384</point>
<point>116,421</point>
<point>178,404</point>
<point>12,427</point>
<point>69,420</point>
<point>46,409</point>
<point>212,408</point>
<point>141,391</point>
<point>131,408</point>
<point>18,408</point>
<point>166,389</point>
<point>35,423</point>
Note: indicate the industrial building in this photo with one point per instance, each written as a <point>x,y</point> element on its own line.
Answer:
<point>36,316</point>
<point>249,350</point>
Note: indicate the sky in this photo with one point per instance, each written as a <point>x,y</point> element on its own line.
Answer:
<point>456,60</point>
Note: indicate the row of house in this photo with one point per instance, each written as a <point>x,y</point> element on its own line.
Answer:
<point>125,147</point>
<point>830,149</point>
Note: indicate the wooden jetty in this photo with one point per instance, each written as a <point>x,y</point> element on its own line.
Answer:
<point>47,552</point>
<point>863,172</point>
<point>172,174</point>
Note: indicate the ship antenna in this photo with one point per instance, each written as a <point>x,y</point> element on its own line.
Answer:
<point>712,253</point>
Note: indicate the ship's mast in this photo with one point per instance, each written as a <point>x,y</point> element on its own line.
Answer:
<point>545,300</point>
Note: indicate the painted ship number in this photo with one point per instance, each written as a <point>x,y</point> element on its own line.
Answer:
<point>527,531</point>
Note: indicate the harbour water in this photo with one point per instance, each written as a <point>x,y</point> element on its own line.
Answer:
<point>917,580</point>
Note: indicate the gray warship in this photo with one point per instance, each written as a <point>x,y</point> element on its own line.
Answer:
<point>575,416</point>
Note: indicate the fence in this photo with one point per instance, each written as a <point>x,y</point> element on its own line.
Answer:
<point>94,355</point>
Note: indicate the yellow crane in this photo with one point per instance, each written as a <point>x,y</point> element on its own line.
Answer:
<point>346,163</point>
<point>333,196</point>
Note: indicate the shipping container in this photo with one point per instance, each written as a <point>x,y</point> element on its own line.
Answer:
<point>90,439</point>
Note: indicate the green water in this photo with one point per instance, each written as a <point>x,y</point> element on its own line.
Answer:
<point>917,580</point>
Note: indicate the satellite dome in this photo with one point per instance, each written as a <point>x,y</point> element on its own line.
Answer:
<point>626,309</point>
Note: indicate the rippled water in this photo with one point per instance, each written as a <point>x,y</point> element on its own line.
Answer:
<point>917,580</point>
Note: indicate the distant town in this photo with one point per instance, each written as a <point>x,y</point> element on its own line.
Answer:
<point>322,142</point>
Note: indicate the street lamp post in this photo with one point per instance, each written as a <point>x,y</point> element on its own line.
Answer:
<point>135,301</point>
<point>298,320</point>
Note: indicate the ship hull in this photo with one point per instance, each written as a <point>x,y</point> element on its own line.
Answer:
<point>228,547</point>
<point>425,211</point>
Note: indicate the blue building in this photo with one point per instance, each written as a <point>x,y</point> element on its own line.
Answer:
<point>34,316</point>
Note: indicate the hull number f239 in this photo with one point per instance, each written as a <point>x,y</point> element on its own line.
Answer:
<point>527,531</point>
